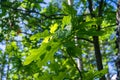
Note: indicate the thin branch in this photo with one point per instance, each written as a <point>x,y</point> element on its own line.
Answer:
<point>86,40</point>
<point>90,7</point>
<point>75,65</point>
<point>100,10</point>
<point>52,16</point>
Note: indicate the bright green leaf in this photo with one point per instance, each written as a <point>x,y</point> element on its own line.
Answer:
<point>53,28</point>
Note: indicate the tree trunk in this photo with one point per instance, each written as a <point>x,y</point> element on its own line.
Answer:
<point>118,40</point>
<point>98,55</point>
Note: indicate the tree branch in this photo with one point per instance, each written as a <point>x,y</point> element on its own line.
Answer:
<point>69,54</point>
<point>90,8</point>
<point>51,16</point>
<point>86,40</point>
<point>100,8</point>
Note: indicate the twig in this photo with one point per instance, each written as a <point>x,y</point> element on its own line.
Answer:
<point>86,40</point>
<point>75,64</point>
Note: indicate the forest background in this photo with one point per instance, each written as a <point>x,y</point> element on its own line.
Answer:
<point>57,40</point>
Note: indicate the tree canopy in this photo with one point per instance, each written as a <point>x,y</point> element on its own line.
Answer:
<point>55,40</point>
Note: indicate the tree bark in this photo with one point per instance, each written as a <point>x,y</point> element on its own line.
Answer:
<point>98,54</point>
<point>118,41</point>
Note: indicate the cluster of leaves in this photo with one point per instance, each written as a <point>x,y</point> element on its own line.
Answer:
<point>40,41</point>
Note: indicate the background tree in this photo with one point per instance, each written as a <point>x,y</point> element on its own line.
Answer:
<point>46,40</point>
